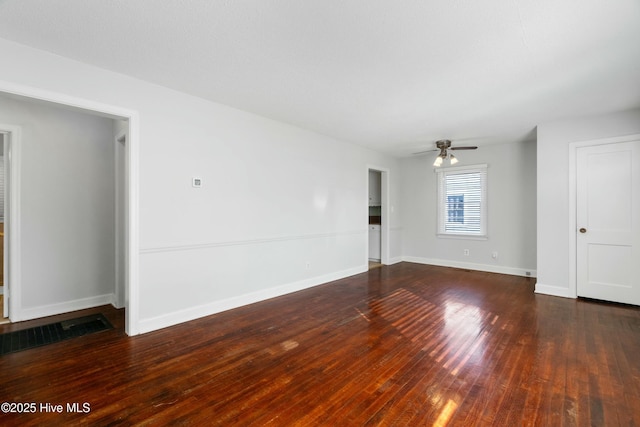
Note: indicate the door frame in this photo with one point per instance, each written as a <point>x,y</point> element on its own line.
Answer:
<point>12,270</point>
<point>573,201</point>
<point>384,214</point>
<point>121,172</point>
<point>132,282</point>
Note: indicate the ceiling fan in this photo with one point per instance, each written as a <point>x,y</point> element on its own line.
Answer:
<point>443,145</point>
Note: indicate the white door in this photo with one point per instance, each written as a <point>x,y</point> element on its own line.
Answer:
<point>608,222</point>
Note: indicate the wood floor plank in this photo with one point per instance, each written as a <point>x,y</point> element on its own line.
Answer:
<point>406,344</point>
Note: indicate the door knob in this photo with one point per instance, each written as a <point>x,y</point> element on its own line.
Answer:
<point>583,230</point>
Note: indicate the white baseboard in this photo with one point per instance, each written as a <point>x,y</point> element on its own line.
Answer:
<point>556,291</point>
<point>115,303</point>
<point>514,271</point>
<point>63,307</point>
<point>186,315</point>
<point>394,260</point>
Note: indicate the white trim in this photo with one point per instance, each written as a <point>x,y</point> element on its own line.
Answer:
<point>207,245</point>
<point>120,229</point>
<point>480,166</point>
<point>39,94</point>
<point>556,291</point>
<point>133,280</point>
<point>441,193</point>
<point>13,267</point>
<point>573,195</point>
<point>462,236</point>
<point>67,306</point>
<point>514,271</point>
<point>186,315</point>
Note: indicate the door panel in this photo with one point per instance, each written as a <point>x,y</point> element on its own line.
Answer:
<point>608,219</point>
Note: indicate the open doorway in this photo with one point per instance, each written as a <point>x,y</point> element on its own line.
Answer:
<point>9,220</point>
<point>78,191</point>
<point>377,218</point>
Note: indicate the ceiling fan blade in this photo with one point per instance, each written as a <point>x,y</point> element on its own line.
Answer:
<point>426,151</point>
<point>463,148</point>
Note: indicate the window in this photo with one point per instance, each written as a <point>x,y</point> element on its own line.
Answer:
<point>455,208</point>
<point>462,201</point>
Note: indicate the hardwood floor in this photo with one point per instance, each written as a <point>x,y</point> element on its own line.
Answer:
<point>406,344</point>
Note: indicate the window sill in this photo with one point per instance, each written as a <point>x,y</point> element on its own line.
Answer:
<point>462,237</point>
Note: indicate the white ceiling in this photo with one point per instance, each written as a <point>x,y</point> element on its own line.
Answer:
<point>393,76</point>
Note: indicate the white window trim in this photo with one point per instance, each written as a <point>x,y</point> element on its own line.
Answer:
<point>482,168</point>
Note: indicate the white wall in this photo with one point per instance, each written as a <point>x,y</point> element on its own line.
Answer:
<point>511,190</point>
<point>553,189</point>
<point>280,209</point>
<point>66,212</point>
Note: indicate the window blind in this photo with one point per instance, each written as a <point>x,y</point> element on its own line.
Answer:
<point>462,206</point>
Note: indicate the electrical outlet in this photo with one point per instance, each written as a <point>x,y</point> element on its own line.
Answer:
<point>494,254</point>
<point>308,265</point>
<point>466,252</point>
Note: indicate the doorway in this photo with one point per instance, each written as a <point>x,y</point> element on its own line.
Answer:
<point>9,221</point>
<point>127,292</point>
<point>377,217</point>
<point>608,185</point>
<point>607,221</point>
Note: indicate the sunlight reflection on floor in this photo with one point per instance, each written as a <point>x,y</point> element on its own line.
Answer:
<point>445,414</point>
<point>421,321</point>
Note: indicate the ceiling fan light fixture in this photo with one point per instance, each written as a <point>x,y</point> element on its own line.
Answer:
<point>444,145</point>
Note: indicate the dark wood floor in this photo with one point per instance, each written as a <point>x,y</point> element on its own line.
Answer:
<point>405,344</point>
